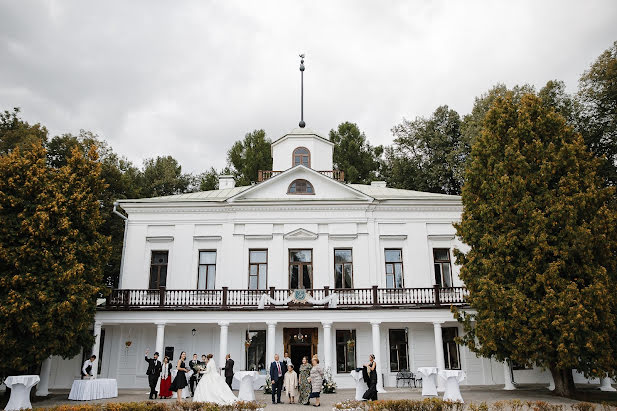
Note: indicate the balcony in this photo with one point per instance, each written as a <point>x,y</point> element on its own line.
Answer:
<point>263,175</point>
<point>227,299</point>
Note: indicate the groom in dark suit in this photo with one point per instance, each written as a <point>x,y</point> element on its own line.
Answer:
<point>155,367</point>
<point>277,374</point>
<point>229,370</point>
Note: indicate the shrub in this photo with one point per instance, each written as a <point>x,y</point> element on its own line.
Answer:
<point>158,406</point>
<point>584,406</point>
<point>428,404</point>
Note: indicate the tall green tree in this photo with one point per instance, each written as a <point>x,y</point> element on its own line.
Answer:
<point>14,132</point>
<point>428,154</point>
<point>598,95</point>
<point>541,231</point>
<point>354,155</point>
<point>52,255</point>
<point>246,157</point>
<point>163,176</point>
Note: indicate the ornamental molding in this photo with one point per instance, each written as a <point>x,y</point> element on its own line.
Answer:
<point>207,238</point>
<point>343,236</point>
<point>159,239</point>
<point>257,236</point>
<point>298,208</point>
<point>398,237</point>
<point>301,234</point>
<point>441,237</point>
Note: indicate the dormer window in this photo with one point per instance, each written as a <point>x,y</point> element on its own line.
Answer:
<point>302,156</point>
<point>300,187</point>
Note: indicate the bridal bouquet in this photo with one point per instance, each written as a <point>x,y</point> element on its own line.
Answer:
<point>199,367</point>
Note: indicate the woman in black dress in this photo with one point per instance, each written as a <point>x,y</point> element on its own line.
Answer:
<point>180,381</point>
<point>371,373</point>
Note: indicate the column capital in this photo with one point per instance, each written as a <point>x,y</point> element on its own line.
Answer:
<point>271,324</point>
<point>375,323</point>
<point>437,324</point>
<point>223,323</point>
<point>160,323</point>
<point>98,324</point>
<point>326,324</point>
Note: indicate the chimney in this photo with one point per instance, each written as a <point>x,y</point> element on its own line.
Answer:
<point>378,183</point>
<point>226,181</point>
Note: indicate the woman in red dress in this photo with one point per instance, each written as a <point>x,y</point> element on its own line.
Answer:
<point>165,379</point>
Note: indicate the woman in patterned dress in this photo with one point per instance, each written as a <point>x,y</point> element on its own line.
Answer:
<point>316,380</point>
<point>304,384</point>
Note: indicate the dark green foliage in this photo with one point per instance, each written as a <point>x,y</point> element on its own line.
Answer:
<point>354,155</point>
<point>541,228</point>
<point>248,156</point>
<point>14,132</point>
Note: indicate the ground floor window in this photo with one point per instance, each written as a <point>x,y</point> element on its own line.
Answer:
<point>345,350</point>
<point>255,344</point>
<point>398,350</point>
<point>450,348</point>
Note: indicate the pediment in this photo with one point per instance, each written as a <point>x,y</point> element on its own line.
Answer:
<point>325,188</point>
<point>300,234</point>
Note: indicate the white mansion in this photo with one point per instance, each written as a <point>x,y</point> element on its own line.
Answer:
<point>300,262</point>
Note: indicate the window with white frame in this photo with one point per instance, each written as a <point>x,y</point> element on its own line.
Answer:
<point>443,267</point>
<point>450,348</point>
<point>258,269</point>
<point>206,273</point>
<point>394,267</point>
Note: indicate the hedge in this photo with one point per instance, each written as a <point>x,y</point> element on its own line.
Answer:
<point>436,404</point>
<point>158,406</point>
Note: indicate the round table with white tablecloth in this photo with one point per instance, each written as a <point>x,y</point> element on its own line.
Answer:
<point>361,386</point>
<point>93,389</point>
<point>186,391</point>
<point>20,386</point>
<point>429,380</point>
<point>452,378</point>
<point>246,379</point>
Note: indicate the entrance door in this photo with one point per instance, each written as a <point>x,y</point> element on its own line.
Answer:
<point>298,343</point>
<point>300,269</point>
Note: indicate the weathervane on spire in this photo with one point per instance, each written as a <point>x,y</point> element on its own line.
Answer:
<point>302,123</point>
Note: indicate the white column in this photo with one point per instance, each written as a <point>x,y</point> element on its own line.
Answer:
<point>160,339</point>
<point>507,375</point>
<point>223,342</point>
<point>42,389</point>
<point>605,384</point>
<point>97,345</point>
<point>377,354</point>
<point>551,381</point>
<point>439,354</point>
<point>327,345</point>
<point>270,343</point>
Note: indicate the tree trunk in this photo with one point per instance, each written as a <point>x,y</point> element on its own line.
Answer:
<point>564,382</point>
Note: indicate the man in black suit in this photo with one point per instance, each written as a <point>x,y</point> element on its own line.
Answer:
<point>229,370</point>
<point>277,374</point>
<point>193,378</point>
<point>154,371</point>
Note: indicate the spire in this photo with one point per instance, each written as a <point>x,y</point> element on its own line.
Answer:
<point>302,123</point>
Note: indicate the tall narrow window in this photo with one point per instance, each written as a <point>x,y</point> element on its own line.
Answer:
<point>343,268</point>
<point>300,269</point>
<point>450,348</point>
<point>398,350</point>
<point>394,268</point>
<point>255,344</point>
<point>258,269</point>
<point>158,269</point>
<point>443,269</point>
<point>206,274</point>
<point>345,351</point>
<point>302,156</point>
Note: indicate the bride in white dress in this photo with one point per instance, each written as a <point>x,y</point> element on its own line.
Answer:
<point>212,386</point>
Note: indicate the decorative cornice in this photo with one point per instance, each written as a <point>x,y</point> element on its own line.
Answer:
<point>399,237</point>
<point>441,237</point>
<point>301,234</point>
<point>343,236</point>
<point>159,239</point>
<point>257,236</point>
<point>207,238</point>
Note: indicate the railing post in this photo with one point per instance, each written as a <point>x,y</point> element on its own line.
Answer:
<point>375,297</point>
<point>224,298</point>
<point>436,288</point>
<point>162,296</point>
<point>127,295</point>
<point>326,290</point>
<point>272,296</point>
<point>108,297</point>
<point>260,177</point>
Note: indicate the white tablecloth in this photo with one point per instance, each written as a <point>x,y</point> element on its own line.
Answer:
<point>20,386</point>
<point>247,379</point>
<point>452,378</point>
<point>186,391</point>
<point>429,380</point>
<point>361,386</point>
<point>93,389</point>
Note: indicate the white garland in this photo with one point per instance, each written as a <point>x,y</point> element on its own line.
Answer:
<point>331,300</point>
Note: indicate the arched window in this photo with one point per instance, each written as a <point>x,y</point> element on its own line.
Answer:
<point>302,155</point>
<point>300,187</point>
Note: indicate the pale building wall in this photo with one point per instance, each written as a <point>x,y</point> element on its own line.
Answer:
<point>321,152</point>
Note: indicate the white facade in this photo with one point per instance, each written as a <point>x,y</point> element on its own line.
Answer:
<point>368,220</point>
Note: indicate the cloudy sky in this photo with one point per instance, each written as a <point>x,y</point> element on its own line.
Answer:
<point>189,78</point>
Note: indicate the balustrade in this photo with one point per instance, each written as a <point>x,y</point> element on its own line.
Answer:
<point>249,299</point>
